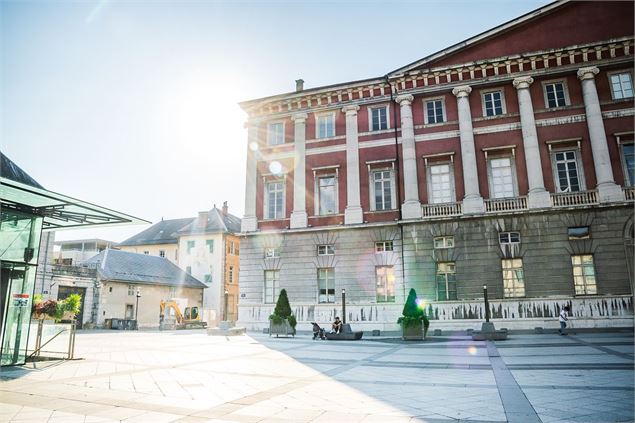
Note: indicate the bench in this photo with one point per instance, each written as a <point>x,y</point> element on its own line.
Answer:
<point>346,334</point>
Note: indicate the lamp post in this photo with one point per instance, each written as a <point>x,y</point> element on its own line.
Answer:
<point>344,305</point>
<point>225,308</point>
<point>486,303</point>
<point>136,310</point>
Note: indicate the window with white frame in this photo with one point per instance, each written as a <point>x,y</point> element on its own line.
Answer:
<point>435,111</point>
<point>493,103</point>
<point>501,181</point>
<point>621,85</point>
<point>210,245</point>
<point>327,194</point>
<point>131,289</point>
<point>555,94</point>
<point>190,246</point>
<point>382,185</point>
<point>446,281</point>
<point>513,278</point>
<point>378,118</point>
<point>272,286</point>
<point>628,163</point>
<point>443,242</point>
<point>383,246</point>
<point>274,200</point>
<point>441,183</point>
<point>272,252</point>
<point>325,126</point>
<point>326,285</point>
<point>567,176</point>
<point>275,133</point>
<point>509,237</point>
<point>584,274</point>
<point>232,248</point>
<point>325,250</point>
<point>385,277</point>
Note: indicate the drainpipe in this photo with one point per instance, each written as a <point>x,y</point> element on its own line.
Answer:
<point>397,174</point>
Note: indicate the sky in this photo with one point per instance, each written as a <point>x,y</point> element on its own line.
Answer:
<point>133,105</point>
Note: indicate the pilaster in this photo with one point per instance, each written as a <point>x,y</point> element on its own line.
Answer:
<point>411,208</point>
<point>299,217</point>
<point>353,213</point>
<point>249,222</point>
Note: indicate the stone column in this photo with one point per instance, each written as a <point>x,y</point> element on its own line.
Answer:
<point>299,218</point>
<point>538,197</point>
<point>608,190</point>
<point>472,202</point>
<point>411,207</point>
<point>353,213</point>
<point>250,222</point>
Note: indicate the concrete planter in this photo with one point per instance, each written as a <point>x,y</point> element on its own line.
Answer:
<point>414,332</point>
<point>283,328</point>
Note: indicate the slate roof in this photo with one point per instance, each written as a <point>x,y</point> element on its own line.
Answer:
<point>12,171</point>
<point>123,266</point>
<point>216,222</point>
<point>163,232</point>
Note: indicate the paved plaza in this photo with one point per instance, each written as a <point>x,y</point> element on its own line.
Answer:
<point>187,376</point>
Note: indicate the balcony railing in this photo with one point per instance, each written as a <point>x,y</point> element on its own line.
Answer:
<point>629,193</point>
<point>573,199</point>
<point>441,210</point>
<point>497,205</point>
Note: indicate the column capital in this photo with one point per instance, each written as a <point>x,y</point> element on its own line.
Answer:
<point>404,99</point>
<point>299,117</point>
<point>523,82</point>
<point>462,91</point>
<point>350,110</point>
<point>588,72</point>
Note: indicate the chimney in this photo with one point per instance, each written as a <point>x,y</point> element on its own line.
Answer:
<point>299,85</point>
<point>224,208</point>
<point>201,222</point>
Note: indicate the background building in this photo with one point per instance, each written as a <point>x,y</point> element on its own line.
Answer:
<point>504,160</point>
<point>78,251</point>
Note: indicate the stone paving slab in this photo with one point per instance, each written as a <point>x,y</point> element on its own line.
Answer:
<point>186,376</point>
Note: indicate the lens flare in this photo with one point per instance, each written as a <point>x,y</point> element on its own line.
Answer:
<point>472,350</point>
<point>253,146</point>
<point>420,303</point>
<point>275,168</point>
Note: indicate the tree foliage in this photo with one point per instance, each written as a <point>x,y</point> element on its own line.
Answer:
<point>283,310</point>
<point>412,312</point>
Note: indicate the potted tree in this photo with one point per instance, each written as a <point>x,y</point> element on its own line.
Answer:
<point>414,322</point>
<point>282,322</point>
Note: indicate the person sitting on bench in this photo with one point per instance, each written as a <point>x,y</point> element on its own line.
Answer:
<point>337,326</point>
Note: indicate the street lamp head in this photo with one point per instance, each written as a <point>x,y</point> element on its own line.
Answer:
<point>484,286</point>
<point>226,292</point>
<point>343,290</point>
<point>138,292</point>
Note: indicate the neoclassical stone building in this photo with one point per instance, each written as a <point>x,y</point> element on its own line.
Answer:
<point>505,160</point>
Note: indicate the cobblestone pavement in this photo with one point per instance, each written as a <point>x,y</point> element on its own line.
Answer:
<point>187,376</point>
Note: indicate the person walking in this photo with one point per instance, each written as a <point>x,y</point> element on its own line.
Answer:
<point>564,317</point>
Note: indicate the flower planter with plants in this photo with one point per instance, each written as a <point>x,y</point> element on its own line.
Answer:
<point>282,322</point>
<point>414,322</point>
<point>65,309</point>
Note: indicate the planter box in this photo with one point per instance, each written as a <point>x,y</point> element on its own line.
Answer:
<point>283,328</point>
<point>413,332</point>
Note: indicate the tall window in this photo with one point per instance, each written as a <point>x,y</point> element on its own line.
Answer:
<point>231,274</point>
<point>325,250</point>
<point>161,253</point>
<point>327,194</point>
<point>443,242</point>
<point>385,276</point>
<point>501,178</point>
<point>190,246</point>
<point>131,289</point>
<point>628,163</point>
<point>275,133</point>
<point>441,184</point>
<point>274,197</point>
<point>382,189</point>
<point>434,111</point>
<point>555,94</point>
<point>567,177</point>
<point>446,281</point>
<point>621,85</point>
<point>584,274</point>
<point>326,285</point>
<point>210,245</point>
<point>493,103</point>
<point>513,278</point>
<point>272,285</point>
<point>326,126</point>
<point>231,248</point>
<point>379,118</point>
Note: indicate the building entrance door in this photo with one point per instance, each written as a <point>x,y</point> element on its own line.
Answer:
<point>15,311</point>
<point>64,292</point>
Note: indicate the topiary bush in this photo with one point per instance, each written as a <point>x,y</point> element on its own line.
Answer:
<point>412,312</point>
<point>283,310</point>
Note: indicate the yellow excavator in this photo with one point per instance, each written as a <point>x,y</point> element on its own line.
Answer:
<point>189,320</point>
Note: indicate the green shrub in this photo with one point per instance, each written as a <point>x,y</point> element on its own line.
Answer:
<point>283,310</point>
<point>73,304</point>
<point>412,313</point>
<point>292,321</point>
